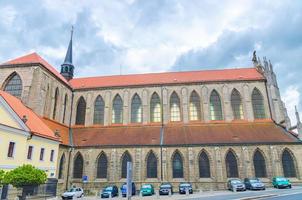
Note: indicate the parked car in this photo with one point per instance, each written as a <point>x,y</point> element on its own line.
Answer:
<point>74,192</point>
<point>147,189</point>
<point>281,182</point>
<point>183,187</point>
<point>165,188</point>
<point>124,189</point>
<point>109,191</point>
<point>235,185</point>
<point>253,184</point>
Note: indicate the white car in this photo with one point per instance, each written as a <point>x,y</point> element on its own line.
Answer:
<point>75,192</point>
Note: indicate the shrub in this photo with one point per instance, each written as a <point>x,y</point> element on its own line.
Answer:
<point>25,175</point>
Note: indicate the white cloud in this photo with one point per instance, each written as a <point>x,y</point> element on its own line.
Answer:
<point>291,98</point>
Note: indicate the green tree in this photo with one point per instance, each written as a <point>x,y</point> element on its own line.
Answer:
<point>25,175</point>
<point>2,173</point>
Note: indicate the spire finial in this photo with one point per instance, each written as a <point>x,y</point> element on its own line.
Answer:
<point>71,32</point>
<point>297,115</point>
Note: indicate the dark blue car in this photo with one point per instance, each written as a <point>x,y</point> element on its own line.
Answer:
<point>109,191</point>
<point>124,189</point>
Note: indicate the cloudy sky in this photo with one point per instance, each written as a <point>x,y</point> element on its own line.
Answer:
<point>137,36</point>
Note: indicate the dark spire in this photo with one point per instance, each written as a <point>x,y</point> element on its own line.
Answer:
<point>67,67</point>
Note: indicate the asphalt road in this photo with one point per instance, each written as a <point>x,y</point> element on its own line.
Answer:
<point>270,194</point>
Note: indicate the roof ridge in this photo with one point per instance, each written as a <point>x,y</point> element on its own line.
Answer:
<point>166,72</point>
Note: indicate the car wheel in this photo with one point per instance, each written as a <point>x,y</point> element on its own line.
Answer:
<point>290,186</point>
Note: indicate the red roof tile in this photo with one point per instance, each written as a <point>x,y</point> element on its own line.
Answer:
<point>56,126</point>
<point>34,123</point>
<point>181,134</point>
<point>35,58</point>
<point>116,136</point>
<point>167,78</point>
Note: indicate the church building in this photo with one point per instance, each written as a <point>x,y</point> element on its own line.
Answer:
<point>202,127</point>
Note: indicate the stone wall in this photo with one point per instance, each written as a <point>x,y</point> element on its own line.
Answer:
<point>244,154</point>
<point>183,92</point>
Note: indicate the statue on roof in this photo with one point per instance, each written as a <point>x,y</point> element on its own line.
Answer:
<point>255,61</point>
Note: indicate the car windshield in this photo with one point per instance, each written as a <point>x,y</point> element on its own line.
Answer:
<point>236,181</point>
<point>146,186</point>
<point>108,189</point>
<point>165,186</point>
<point>185,185</point>
<point>254,181</point>
<point>281,179</point>
<point>72,190</point>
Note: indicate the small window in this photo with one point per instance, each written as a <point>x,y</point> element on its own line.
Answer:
<point>29,152</point>
<point>11,149</point>
<point>42,154</point>
<point>52,153</point>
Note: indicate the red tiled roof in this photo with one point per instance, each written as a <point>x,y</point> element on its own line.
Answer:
<point>35,58</point>
<point>56,126</point>
<point>167,78</point>
<point>140,135</point>
<point>240,74</point>
<point>34,123</point>
<point>181,134</point>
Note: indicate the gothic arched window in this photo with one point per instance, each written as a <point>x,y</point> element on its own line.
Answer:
<point>177,166</point>
<point>288,164</point>
<point>78,166</point>
<point>236,104</point>
<point>55,103</point>
<point>13,85</point>
<point>99,106</point>
<point>64,108</point>
<point>174,108</point>
<point>117,110</point>
<point>151,165</point>
<point>204,166</point>
<point>136,109</point>
<point>81,111</point>
<point>215,106</point>
<point>258,104</point>
<point>125,158</point>
<point>194,107</point>
<point>231,165</point>
<point>102,166</point>
<point>61,166</point>
<point>155,108</point>
<point>259,165</point>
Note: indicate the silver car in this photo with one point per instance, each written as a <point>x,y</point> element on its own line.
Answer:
<point>236,185</point>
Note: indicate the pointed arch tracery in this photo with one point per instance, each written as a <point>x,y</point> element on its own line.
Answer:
<point>13,85</point>
<point>81,111</point>
<point>102,166</point>
<point>151,165</point>
<point>288,164</point>
<point>99,110</point>
<point>126,157</point>
<point>155,108</point>
<point>231,164</point>
<point>259,164</point>
<point>78,166</point>
<point>177,165</point>
<point>215,106</point>
<point>175,113</point>
<point>258,104</point>
<point>117,110</point>
<point>194,107</point>
<point>56,98</point>
<point>236,103</point>
<point>204,165</point>
<point>136,109</point>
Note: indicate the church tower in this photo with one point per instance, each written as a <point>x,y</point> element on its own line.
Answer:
<point>67,67</point>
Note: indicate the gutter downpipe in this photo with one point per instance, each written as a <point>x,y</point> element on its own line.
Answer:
<point>70,142</point>
<point>161,134</point>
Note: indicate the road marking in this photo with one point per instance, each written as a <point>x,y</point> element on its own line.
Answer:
<point>282,195</point>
